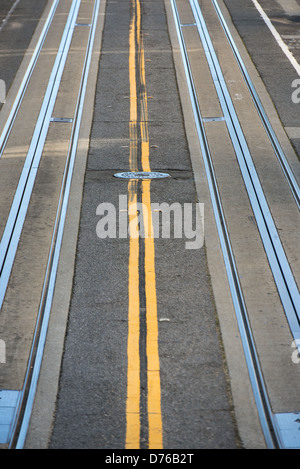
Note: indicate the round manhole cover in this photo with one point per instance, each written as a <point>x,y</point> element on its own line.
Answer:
<point>141,175</point>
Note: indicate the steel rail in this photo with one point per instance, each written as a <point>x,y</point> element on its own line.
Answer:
<point>26,78</point>
<point>281,270</point>
<point>12,232</point>
<point>270,430</point>
<point>38,344</point>
<point>261,111</point>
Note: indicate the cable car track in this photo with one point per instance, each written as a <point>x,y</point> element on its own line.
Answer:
<point>15,222</point>
<point>278,261</point>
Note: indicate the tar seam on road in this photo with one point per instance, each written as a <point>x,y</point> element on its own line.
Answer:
<point>143,405</point>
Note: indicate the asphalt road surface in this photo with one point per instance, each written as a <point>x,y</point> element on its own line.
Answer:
<point>143,347</point>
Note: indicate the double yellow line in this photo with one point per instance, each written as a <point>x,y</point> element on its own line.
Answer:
<point>139,148</point>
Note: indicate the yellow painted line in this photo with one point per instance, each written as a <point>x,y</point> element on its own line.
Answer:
<point>153,371</point>
<point>144,108</point>
<point>133,355</point>
<point>136,51</point>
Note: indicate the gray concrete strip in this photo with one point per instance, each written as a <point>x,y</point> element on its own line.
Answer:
<point>293,132</point>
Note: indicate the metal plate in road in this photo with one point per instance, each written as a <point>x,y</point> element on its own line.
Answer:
<point>142,175</point>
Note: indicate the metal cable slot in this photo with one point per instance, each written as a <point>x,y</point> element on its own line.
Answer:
<point>21,203</point>
<point>279,264</point>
